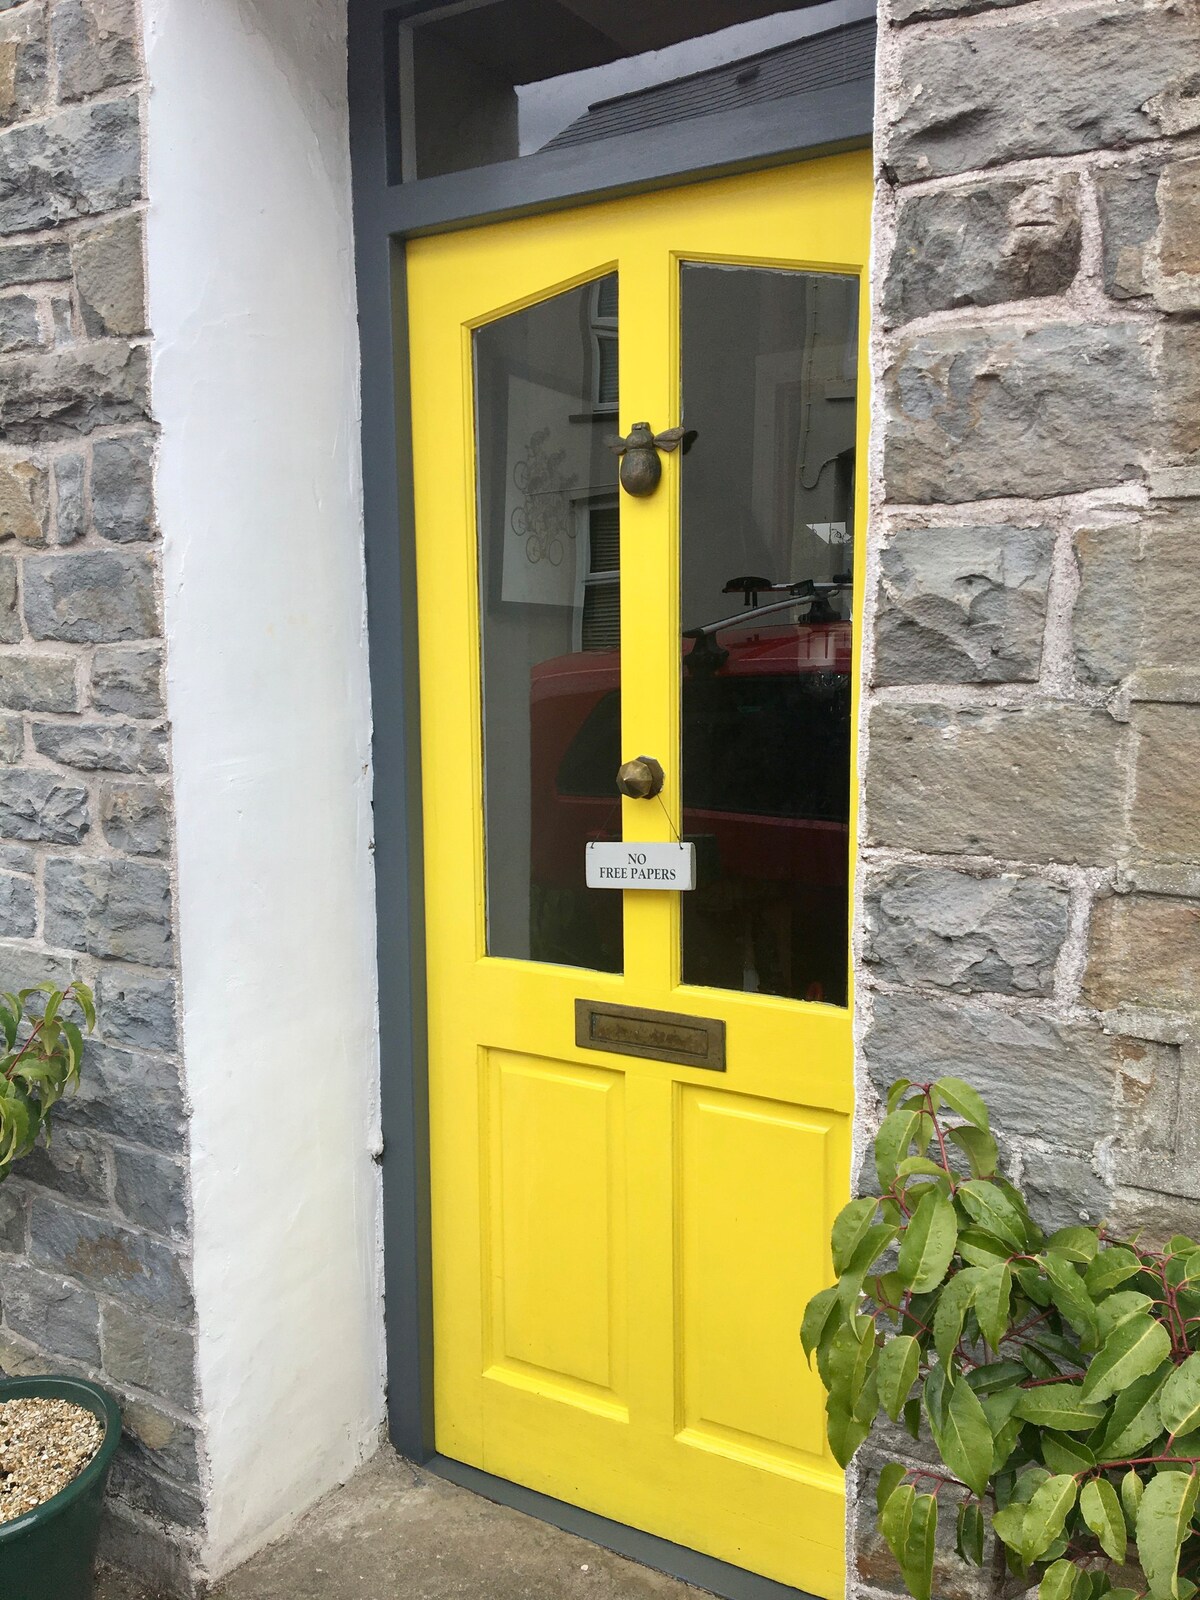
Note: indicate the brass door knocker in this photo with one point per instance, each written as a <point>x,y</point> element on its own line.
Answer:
<point>641,470</point>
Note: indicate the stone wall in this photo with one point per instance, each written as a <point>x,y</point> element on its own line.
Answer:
<point>94,1271</point>
<point>1030,888</point>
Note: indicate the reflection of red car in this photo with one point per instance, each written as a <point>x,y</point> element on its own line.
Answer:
<point>766,740</point>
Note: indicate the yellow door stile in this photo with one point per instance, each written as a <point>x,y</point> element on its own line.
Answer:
<point>621,1246</point>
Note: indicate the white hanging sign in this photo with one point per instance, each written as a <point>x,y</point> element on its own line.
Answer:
<point>641,866</point>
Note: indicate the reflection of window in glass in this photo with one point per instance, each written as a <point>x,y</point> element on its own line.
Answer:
<point>549,590</point>
<point>767,554</point>
<point>598,609</point>
<point>604,345</point>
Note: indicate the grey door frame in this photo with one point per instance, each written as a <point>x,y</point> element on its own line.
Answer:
<point>386,213</point>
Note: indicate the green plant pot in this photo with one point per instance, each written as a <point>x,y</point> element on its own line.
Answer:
<point>50,1552</point>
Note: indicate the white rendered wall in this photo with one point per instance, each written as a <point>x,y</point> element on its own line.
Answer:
<point>256,389</point>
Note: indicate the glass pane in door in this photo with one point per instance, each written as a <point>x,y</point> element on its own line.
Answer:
<point>549,605</point>
<point>767,560</point>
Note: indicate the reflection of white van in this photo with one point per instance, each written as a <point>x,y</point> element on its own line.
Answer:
<point>766,741</point>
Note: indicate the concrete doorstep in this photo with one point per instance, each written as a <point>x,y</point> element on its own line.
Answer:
<point>394,1531</point>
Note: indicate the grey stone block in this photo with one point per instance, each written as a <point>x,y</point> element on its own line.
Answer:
<point>962,605</point>
<point>1144,950</point>
<point>934,925</point>
<point>159,1357</point>
<point>128,681</point>
<point>34,681</point>
<point>24,84</point>
<point>21,967</point>
<point>974,413</point>
<point>123,489</point>
<point>135,1008</point>
<point>1040,1078</point>
<point>62,318</point>
<point>151,1191</point>
<point>18,907</point>
<point>127,1094</point>
<point>73,1164</point>
<point>107,1258</point>
<point>1153,1218</point>
<point>136,818</point>
<point>85,160</point>
<point>11,629</point>
<point>139,1485</point>
<point>12,739</point>
<point>19,325</point>
<point>102,746</point>
<point>70,499</point>
<point>1178,395</point>
<point>1063,1191</point>
<point>14,1220</point>
<point>47,261</point>
<point>110,276</point>
<point>162,1558</point>
<point>17,858</point>
<point>1128,202</point>
<point>168,1443</point>
<point>24,501</point>
<point>982,246</point>
<point>1043,783</point>
<point>1102,76</point>
<point>62,393</point>
<point>57,1316</point>
<point>1165,815</point>
<point>1134,610</point>
<point>95,45</point>
<point>91,597</point>
<point>112,908</point>
<point>43,807</point>
<point>1176,269</point>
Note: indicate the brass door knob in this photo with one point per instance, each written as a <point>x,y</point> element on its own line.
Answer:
<point>641,778</point>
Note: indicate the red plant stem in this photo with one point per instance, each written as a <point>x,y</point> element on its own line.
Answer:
<point>33,1033</point>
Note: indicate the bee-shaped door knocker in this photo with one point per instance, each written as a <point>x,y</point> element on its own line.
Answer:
<point>641,470</point>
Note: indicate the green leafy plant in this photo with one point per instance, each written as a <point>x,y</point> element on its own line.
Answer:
<point>41,1061</point>
<point>1058,1377</point>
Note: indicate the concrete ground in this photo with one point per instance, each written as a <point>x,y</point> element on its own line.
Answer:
<point>396,1533</point>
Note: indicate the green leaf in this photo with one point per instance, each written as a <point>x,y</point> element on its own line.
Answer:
<point>965,1441</point>
<point>845,1431</point>
<point>1061,1453</point>
<point>1008,1525</point>
<point>850,1225</point>
<point>1058,1406</point>
<point>960,1097</point>
<point>992,1300</point>
<point>1110,1269</point>
<point>1047,1514</point>
<point>1119,1308</point>
<point>968,1540</point>
<point>896,1093</point>
<point>1076,1244</point>
<point>899,1361</point>
<point>951,1313</point>
<point>980,1248</point>
<point>896,1133</point>
<point>918,1565</point>
<point>928,1243</point>
<point>978,1147</point>
<point>1132,1489</point>
<point>986,1204</point>
<point>1179,1398</point>
<point>936,1394</point>
<point>1134,1349</point>
<point>869,1248</point>
<point>911,1417</point>
<point>1133,1419</point>
<point>1163,1520</point>
<point>895,1520</point>
<point>818,1314</point>
<point>995,1377</point>
<point>1059,1581</point>
<point>890,1479</point>
<point>1101,1510</point>
<point>1070,1296</point>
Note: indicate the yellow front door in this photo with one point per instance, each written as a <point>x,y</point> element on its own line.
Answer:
<point>640,1099</point>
